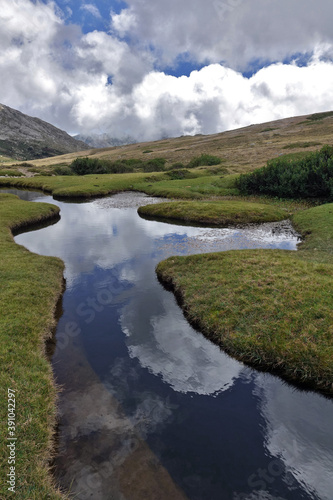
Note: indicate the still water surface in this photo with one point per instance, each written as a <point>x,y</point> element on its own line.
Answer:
<point>150,409</point>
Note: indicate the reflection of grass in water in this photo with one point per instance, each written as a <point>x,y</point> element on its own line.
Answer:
<point>30,286</point>
<point>270,308</point>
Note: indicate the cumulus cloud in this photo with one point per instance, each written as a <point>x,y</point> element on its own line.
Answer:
<point>233,31</point>
<point>217,98</point>
<point>113,82</point>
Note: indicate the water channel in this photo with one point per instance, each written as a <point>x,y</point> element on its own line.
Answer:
<point>149,408</point>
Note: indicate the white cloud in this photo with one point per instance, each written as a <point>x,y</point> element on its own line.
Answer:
<point>234,31</point>
<point>92,9</point>
<point>217,98</point>
<point>100,82</point>
<point>293,420</point>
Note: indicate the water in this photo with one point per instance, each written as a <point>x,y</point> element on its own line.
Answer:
<point>150,409</point>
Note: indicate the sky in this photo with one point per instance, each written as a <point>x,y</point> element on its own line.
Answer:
<point>154,68</point>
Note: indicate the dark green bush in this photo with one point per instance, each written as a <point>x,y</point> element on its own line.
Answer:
<point>204,160</point>
<point>119,167</point>
<point>62,170</point>
<point>133,162</point>
<point>307,177</point>
<point>181,173</point>
<point>154,165</point>
<point>320,116</point>
<point>84,166</point>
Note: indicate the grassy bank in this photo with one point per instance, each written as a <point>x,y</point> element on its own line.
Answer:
<point>269,308</point>
<point>317,225</point>
<point>79,187</point>
<point>215,213</point>
<point>31,286</point>
<point>199,186</point>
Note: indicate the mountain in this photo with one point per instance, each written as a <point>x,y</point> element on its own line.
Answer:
<point>25,138</point>
<point>104,140</point>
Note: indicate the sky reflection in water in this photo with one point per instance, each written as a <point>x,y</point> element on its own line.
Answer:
<point>142,386</point>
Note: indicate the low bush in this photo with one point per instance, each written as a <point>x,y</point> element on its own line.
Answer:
<point>62,170</point>
<point>320,116</point>
<point>204,160</point>
<point>181,173</point>
<point>307,177</point>
<point>154,165</point>
<point>84,166</point>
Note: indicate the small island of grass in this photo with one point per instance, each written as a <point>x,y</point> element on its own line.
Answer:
<point>215,213</point>
<point>270,308</point>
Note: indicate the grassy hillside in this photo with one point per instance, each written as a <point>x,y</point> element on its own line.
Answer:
<point>241,150</point>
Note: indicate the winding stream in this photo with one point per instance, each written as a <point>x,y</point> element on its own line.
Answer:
<point>150,409</point>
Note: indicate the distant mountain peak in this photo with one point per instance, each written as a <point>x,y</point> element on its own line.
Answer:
<point>104,140</point>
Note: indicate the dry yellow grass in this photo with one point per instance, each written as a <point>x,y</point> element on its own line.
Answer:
<point>242,149</point>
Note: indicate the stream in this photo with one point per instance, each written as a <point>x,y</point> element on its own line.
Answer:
<point>149,408</point>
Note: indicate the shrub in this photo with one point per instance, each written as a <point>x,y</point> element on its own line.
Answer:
<point>62,170</point>
<point>154,165</point>
<point>204,160</point>
<point>307,177</point>
<point>320,116</point>
<point>181,173</point>
<point>83,166</point>
<point>118,167</point>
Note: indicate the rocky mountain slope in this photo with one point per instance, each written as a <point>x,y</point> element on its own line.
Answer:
<point>25,138</point>
<point>104,140</point>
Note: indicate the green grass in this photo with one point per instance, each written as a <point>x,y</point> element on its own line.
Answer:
<point>317,225</point>
<point>81,186</point>
<point>155,183</point>
<point>272,309</point>
<point>11,173</point>
<point>203,186</point>
<point>215,213</point>
<point>30,288</point>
